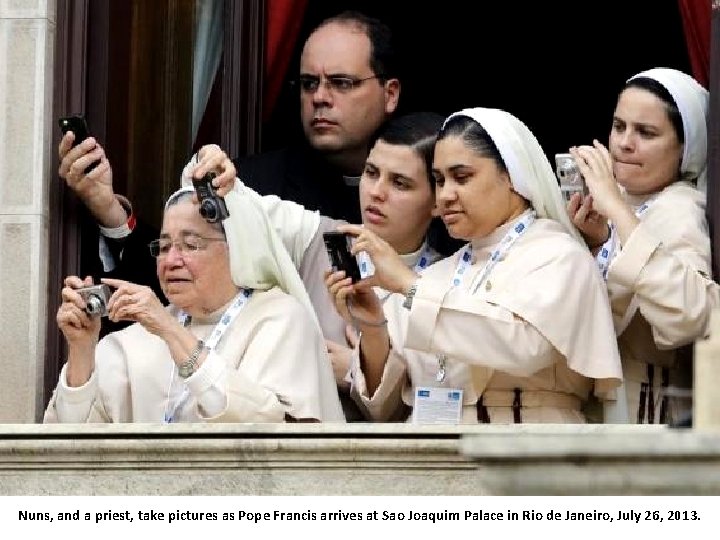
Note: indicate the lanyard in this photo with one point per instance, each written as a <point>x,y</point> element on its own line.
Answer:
<point>227,318</point>
<point>498,252</point>
<point>608,250</point>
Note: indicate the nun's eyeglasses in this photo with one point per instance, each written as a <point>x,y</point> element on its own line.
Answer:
<point>187,244</point>
<point>309,84</point>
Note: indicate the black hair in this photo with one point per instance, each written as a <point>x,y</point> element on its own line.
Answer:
<point>659,91</point>
<point>383,57</point>
<point>475,136</point>
<point>418,131</point>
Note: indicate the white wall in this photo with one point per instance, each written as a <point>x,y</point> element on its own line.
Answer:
<point>27,36</point>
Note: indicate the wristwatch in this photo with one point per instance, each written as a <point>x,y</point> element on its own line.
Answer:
<point>189,366</point>
<point>407,303</point>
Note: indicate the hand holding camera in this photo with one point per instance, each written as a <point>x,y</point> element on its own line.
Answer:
<point>391,273</point>
<point>138,303</point>
<point>596,166</point>
<point>81,328</point>
<point>212,158</point>
<point>590,214</point>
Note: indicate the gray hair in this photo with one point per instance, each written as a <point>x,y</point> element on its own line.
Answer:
<point>186,195</point>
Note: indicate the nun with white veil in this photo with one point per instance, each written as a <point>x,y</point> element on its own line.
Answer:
<point>645,221</point>
<point>515,327</point>
<point>239,341</point>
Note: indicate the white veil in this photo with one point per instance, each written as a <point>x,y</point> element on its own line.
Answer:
<point>530,172</point>
<point>691,100</point>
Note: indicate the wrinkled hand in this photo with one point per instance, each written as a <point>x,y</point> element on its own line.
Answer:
<point>391,273</point>
<point>595,164</point>
<point>137,303</point>
<point>94,189</point>
<point>592,225</point>
<point>80,330</point>
<point>363,300</point>
<point>211,158</point>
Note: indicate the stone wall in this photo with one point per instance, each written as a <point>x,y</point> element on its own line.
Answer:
<point>359,459</point>
<point>27,35</point>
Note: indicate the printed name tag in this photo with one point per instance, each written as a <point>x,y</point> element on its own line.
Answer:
<point>437,405</point>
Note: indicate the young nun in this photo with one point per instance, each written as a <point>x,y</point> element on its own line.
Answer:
<point>649,185</point>
<point>516,326</point>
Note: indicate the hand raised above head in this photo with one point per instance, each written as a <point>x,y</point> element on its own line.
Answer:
<point>211,158</point>
<point>94,187</point>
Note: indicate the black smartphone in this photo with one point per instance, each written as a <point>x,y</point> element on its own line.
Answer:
<point>338,248</point>
<point>78,126</point>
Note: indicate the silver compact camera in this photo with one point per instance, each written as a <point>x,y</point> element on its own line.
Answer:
<point>96,299</point>
<point>571,181</point>
<point>212,207</point>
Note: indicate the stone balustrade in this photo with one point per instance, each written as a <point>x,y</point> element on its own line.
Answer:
<point>356,459</point>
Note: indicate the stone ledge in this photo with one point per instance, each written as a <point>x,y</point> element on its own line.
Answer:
<point>356,459</point>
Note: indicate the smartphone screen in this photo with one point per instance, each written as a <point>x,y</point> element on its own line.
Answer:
<point>338,248</point>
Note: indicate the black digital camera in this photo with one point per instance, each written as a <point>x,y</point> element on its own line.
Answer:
<point>212,207</point>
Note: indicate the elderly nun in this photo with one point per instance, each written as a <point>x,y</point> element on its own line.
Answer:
<point>239,341</point>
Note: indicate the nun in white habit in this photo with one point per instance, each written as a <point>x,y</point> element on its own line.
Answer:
<point>239,341</point>
<point>516,325</point>
<point>649,185</point>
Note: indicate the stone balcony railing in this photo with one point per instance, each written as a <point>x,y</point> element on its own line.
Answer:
<point>356,459</point>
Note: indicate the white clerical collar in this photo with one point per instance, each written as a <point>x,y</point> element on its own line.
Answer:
<point>411,258</point>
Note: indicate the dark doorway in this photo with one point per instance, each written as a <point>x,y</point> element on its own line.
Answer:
<point>557,66</point>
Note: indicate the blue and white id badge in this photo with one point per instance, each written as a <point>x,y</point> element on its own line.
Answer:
<point>437,405</point>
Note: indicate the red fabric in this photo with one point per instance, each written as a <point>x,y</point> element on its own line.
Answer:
<point>284,20</point>
<point>696,24</point>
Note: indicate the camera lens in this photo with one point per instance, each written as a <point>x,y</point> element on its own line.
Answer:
<point>208,210</point>
<point>94,305</point>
